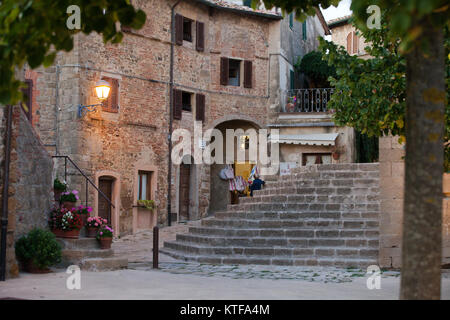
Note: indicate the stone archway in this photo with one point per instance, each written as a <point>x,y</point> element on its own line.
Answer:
<point>219,189</point>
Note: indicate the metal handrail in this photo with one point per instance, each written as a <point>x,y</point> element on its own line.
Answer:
<point>306,100</point>
<point>86,177</point>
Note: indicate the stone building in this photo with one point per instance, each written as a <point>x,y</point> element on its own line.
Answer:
<point>230,66</point>
<point>343,33</point>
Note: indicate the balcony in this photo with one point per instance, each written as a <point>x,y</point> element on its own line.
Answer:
<point>305,100</point>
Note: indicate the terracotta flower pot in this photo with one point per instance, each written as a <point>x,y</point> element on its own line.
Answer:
<point>105,243</point>
<point>32,268</point>
<point>71,234</point>
<point>68,205</point>
<point>91,232</point>
<point>335,155</point>
<point>58,233</point>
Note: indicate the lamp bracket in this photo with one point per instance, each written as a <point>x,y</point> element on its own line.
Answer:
<point>83,110</point>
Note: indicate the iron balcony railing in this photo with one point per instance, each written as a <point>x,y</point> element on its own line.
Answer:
<point>306,100</point>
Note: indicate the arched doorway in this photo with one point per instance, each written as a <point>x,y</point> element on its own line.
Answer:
<point>109,183</point>
<point>220,196</point>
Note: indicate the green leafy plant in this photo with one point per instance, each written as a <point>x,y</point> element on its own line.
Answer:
<point>59,186</point>
<point>39,247</point>
<point>71,196</point>
<point>105,231</point>
<point>316,69</point>
<point>148,204</point>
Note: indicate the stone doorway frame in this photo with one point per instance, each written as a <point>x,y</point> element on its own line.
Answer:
<point>115,212</point>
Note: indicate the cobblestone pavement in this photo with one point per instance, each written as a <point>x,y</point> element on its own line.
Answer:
<point>312,274</point>
<point>138,247</point>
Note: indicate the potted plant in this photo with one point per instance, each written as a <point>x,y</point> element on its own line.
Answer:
<point>148,204</point>
<point>65,223</point>
<point>105,235</point>
<point>38,250</point>
<point>290,106</point>
<point>93,225</point>
<point>68,200</point>
<point>84,212</point>
<point>58,188</point>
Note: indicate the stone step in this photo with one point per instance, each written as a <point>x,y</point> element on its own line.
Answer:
<point>317,196</point>
<point>191,248</point>
<point>104,264</point>
<point>75,256</point>
<point>321,182</point>
<point>288,223</point>
<point>288,233</point>
<point>267,260</point>
<point>363,202</point>
<point>80,243</point>
<point>273,242</point>
<point>298,215</point>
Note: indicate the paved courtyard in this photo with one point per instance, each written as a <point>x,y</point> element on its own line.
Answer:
<point>183,280</point>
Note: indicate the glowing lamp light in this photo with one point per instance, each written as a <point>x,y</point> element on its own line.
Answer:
<point>102,88</point>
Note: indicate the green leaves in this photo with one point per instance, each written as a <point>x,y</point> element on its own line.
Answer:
<point>30,29</point>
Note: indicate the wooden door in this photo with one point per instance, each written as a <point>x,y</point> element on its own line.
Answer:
<point>185,170</point>
<point>104,208</point>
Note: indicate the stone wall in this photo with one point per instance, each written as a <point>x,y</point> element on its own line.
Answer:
<point>392,175</point>
<point>339,37</point>
<point>30,183</point>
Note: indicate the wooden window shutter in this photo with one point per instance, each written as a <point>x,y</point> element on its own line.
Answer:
<point>28,98</point>
<point>349,43</point>
<point>355,43</point>
<point>177,104</point>
<point>224,68</point>
<point>179,29</point>
<point>200,107</point>
<point>248,68</point>
<point>200,38</point>
<point>112,103</point>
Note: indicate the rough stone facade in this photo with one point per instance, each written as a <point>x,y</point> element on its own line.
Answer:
<point>340,29</point>
<point>30,183</point>
<point>392,176</point>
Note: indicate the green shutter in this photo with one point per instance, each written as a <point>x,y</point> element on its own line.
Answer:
<point>304,30</point>
<point>291,20</point>
<point>247,3</point>
<point>292,79</point>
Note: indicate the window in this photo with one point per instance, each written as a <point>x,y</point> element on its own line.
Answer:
<point>245,142</point>
<point>291,20</point>
<point>292,78</point>
<point>352,43</point>
<point>316,158</point>
<point>186,103</point>
<point>304,36</point>
<point>27,104</point>
<point>112,103</point>
<point>234,70</point>
<point>144,191</point>
<point>187,29</point>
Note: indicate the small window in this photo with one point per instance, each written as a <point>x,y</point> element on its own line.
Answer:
<point>304,35</point>
<point>292,78</point>
<point>316,158</point>
<point>145,179</point>
<point>112,103</point>
<point>187,29</point>
<point>186,101</point>
<point>234,71</point>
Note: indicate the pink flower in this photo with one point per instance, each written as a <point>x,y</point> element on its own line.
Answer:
<point>89,209</point>
<point>96,224</point>
<point>101,233</point>
<point>74,191</point>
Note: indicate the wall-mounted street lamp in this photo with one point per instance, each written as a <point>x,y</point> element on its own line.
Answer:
<point>102,89</point>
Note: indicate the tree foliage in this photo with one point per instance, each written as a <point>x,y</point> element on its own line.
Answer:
<point>316,68</point>
<point>34,31</point>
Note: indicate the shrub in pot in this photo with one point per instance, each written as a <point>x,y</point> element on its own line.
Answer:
<point>38,250</point>
<point>93,224</point>
<point>58,188</point>
<point>105,235</point>
<point>68,200</point>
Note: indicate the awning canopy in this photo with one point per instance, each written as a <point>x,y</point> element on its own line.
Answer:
<point>317,139</point>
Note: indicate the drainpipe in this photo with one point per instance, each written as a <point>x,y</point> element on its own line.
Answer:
<point>4,219</point>
<point>169,136</point>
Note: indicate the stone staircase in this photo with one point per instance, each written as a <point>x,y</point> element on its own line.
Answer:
<point>86,253</point>
<point>326,215</point>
